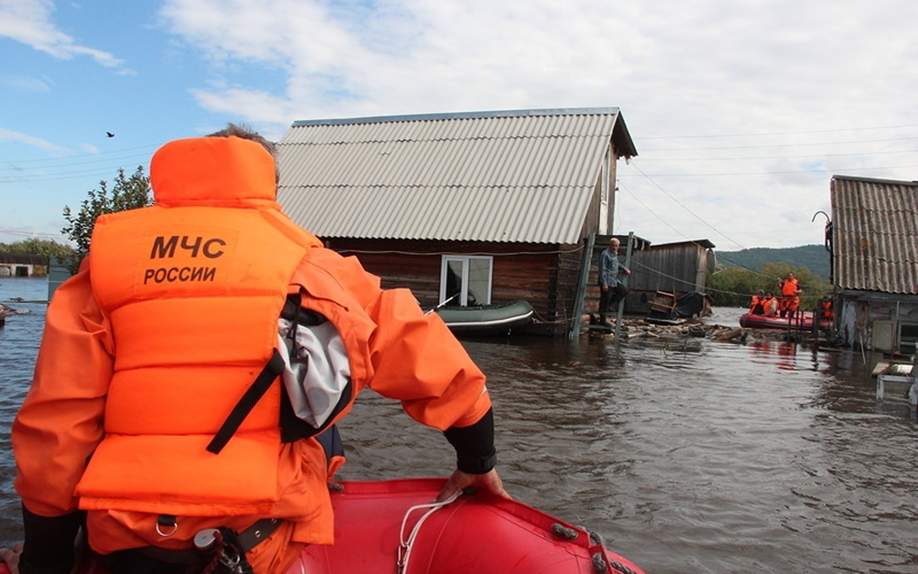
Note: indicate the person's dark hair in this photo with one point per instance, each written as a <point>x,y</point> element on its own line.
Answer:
<point>247,133</point>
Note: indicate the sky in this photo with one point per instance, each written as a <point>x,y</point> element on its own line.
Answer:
<point>740,110</point>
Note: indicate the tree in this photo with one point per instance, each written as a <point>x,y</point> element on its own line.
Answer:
<point>42,247</point>
<point>126,193</point>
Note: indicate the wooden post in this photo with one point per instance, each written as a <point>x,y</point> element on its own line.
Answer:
<point>621,304</point>
<point>585,265</point>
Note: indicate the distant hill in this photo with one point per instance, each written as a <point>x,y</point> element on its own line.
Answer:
<point>813,257</point>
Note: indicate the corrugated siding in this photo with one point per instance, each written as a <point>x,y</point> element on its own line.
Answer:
<point>875,235</point>
<point>665,268</point>
<point>508,179</point>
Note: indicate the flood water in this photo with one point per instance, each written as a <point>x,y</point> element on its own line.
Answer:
<point>723,459</point>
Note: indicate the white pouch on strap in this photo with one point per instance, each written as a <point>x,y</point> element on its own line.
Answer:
<point>315,378</point>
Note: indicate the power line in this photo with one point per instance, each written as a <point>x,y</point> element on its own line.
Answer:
<point>84,174</point>
<point>684,282</point>
<point>121,157</point>
<point>23,233</point>
<point>783,172</point>
<point>687,208</point>
<point>794,157</point>
<point>82,155</point>
<point>782,145</point>
<point>795,132</point>
<point>655,214</point>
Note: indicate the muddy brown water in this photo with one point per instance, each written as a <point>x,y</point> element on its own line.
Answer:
<point>701,458</point>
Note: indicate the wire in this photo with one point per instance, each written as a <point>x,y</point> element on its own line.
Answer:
<point>795,157</point>
<point>691,283</point>
<point>687,208</point>
<point>783,145</point>
<point>23,233</point>
<point>80,155</point>
<point>788,172</point>
<point>756,134</point>
<point>483,253</point>
<point>121,157</point>
<point>655,214</point>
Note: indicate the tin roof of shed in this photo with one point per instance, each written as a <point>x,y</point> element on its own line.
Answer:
<point>503,176</point>
<point>875,234</point>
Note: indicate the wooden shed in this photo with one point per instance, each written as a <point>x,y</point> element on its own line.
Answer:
<point>680,268</point>
<point>873,242</point>
<point>480,207</point>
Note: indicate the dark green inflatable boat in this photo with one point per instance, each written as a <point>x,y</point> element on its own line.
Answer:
<point>484,319</point>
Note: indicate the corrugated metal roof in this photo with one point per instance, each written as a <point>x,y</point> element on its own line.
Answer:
<point>514,176</point>
<point>875,234</point>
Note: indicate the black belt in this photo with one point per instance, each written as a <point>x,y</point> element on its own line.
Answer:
<point>245,540</point>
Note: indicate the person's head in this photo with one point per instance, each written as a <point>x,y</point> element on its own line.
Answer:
<point>761,293</point>
<point>790,275</point>
<point>614,244</point>
<point>769,295</point>
<point>246,133</point>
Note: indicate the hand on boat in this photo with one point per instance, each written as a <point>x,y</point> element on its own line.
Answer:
<point>9,559</point>
<point>488,482</point>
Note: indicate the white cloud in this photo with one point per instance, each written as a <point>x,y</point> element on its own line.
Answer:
<point>89,148</point>
<point>675,68</point>
<point>42,144</point>
<point>29,22</point>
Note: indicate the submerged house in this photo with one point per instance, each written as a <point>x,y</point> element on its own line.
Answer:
<point>679,268</point>
<point>873,241</point>
<point>18,265</point>
<point>467,208</point>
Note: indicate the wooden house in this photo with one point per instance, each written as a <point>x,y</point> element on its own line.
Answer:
<point>475,208</point>
<point>873,241</point>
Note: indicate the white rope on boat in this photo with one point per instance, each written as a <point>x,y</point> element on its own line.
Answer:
<point>405,545</point>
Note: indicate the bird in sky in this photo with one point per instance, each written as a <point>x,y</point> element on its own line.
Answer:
<point>110,134</point>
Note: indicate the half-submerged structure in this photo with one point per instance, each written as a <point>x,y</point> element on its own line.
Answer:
<point>873,241</point>
<point>466,209</point>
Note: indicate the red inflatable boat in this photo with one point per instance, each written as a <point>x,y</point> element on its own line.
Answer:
<point>393,527</point>
<point>800,321</point>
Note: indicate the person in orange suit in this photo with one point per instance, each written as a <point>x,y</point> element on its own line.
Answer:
<point>790,296</point>
<point>825,309</point>
<point>169,395</point>
<point>770,305</point>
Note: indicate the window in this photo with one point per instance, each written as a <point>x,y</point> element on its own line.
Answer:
<point>465,280</point>
<point>908,338</point>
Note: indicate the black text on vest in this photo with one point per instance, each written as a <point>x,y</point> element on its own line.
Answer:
<point>166,248</point>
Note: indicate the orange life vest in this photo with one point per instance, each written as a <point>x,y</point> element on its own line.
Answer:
<point>826,305</point>
<point>194,287</point>
<point>789,288</point>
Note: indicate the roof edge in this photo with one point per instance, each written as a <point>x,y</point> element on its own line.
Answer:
<point>622,138</point>
<point>460,116</point>
<point>875,180</point>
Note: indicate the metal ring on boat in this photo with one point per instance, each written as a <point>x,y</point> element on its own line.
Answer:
<point>172,528</point>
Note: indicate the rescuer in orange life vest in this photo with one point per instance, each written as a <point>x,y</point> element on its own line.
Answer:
<point>825,308</point>
<point>790,296</point>
<point>170,393</point>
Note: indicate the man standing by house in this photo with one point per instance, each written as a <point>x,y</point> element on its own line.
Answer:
<point>612,289</point>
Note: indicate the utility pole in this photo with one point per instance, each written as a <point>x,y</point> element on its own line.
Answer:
<point>621,304</point>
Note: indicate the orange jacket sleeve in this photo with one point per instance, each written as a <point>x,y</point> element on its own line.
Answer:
<point>415,358</point>
<point>61,421</point>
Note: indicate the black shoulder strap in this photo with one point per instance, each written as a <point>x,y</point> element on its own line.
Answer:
<point>253,394</point>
